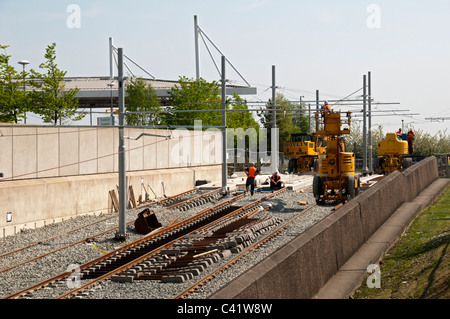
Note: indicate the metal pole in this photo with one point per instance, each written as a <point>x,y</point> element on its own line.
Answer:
<point>121,234</point>
<point>309,118</point>
<point>111,72</point>
<point>224,130</point>
<point>317,100</point>
<point>274,139</point>
<point>370,122</point>
<point>25,113</point>
<point>197,59</point>
<point>364,127</point>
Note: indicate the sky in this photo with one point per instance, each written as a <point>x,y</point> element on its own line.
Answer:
<point>320,45</point>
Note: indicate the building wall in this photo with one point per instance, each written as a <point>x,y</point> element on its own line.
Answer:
<point>54,173</point>
<point>37,152</point>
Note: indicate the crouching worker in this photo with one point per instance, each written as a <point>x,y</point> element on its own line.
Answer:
<point>275,182</point>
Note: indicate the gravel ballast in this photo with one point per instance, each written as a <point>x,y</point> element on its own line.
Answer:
<point>283,206</point>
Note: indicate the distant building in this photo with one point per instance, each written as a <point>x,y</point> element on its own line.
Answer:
<point>95,92</point>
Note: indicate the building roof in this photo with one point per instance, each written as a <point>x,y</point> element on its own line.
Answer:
<point>95,92</point>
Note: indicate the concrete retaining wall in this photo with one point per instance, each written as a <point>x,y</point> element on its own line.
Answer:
<point>28,151</point>
<point>34,203</point>
<point>300,268</point>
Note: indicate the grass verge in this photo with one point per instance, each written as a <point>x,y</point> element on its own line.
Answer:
<point>418,265</point>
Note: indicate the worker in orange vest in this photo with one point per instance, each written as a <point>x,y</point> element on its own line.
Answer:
<point>275,182</point>
<point>251,172</point>
<point>410,141</point>
<point>326,108</point>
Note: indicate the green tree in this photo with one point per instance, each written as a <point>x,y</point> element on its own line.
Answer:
<point>14,101</point>
<point>240,119</point>
<point>354,141</point>
<point>141,97</point>
<point>427,145</point>
<point>195,95</point>
<point>424,143</point>
<point>50,99</point>
<point>290,119</point>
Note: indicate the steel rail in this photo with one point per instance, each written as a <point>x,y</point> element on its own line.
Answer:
<point>229,263</point>
<point>151,253</point>
<point>147,255</point>
<point>147,237</point>
<point>91,238</point>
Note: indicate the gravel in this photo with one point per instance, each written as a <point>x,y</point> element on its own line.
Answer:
<point>284,206</point>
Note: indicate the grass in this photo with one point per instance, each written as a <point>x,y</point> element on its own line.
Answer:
<point>418,265</point>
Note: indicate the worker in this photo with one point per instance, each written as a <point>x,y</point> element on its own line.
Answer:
<point>399,134</point>
<point>275,182</point>
<point>326,108</point>
<point>410,141</point>
<point>251,172</point>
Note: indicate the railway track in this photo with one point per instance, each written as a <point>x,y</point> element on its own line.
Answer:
<point>168,255</point>
<point>273,233</point>
<point>181,201</point>
<point>134,253</point>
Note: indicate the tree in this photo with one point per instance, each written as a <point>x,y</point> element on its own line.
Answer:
<point>427,145</point>
<point>240,119</point>
<point>141,97</point>
<point>289,120</point>
<point>14,101</point>
<point>195,95</point>
<point>424,143</point>
<point>50,99</point>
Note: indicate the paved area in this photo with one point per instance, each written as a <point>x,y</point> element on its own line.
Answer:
<point>350,276</point>
<point>237,182</point>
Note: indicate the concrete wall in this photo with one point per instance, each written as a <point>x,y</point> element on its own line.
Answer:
<point>53,173</point>
<point>37,152</point>
<point>34,203</point>
<point>300,268</point>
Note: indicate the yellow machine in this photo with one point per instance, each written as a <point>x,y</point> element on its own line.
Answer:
<point>391,152</point>
<point>336,178</point>
<point>303,151</point>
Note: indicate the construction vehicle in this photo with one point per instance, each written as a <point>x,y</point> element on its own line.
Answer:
<point>336,179</point>
<point>391,154</point>
<point>303,151</point>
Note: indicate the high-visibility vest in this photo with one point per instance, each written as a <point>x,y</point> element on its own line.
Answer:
<point>252,172</point>
<point>275,178</point>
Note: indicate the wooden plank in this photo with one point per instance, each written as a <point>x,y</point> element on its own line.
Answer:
<point>132,198</point>
<point>115,202</point>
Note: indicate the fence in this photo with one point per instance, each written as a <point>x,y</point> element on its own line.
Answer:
<point>443,163</point>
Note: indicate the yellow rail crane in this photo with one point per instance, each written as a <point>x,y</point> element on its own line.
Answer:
<point>303,150</point>
<point>336,178</point>
<point>391,154</point>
